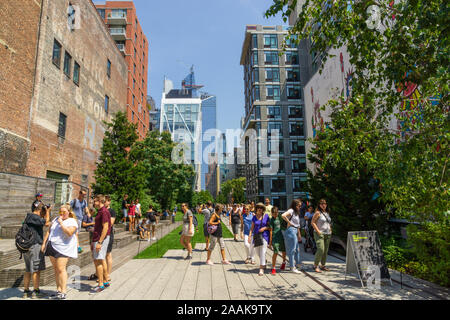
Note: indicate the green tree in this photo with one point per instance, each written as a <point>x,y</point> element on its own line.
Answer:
<point>400,74</point>
<point>117,173</point>
<point>201,198</point>
<point>234,188</point>
<point>165,179</point>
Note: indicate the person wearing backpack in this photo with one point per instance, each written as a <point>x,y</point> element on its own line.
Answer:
<point>188,230</point>
<point>207,212</point>
<point>34,258</point>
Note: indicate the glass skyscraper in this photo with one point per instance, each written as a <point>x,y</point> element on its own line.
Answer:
<point>181,115</point>
<point>209,121</point>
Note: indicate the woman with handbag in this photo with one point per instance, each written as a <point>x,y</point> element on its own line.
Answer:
<point>215,230</point>
<point>292,235</point>
<point>260,230</point>
<point>60,244</point>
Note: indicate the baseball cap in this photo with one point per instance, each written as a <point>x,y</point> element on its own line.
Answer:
<point>39,195</point>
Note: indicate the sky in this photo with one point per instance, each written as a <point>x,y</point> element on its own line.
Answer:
<point>207,34</point>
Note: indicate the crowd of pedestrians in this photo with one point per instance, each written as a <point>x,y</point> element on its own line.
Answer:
<point>61,241</point>
<point>260,227</point>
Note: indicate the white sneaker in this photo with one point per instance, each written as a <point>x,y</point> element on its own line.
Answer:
<point>295,270</point>
<point>153,238</point>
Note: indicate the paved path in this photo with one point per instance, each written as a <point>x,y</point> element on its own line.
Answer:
<point>173,278</point>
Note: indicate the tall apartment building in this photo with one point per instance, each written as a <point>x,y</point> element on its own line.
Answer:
<point>58,83</point>
<point>181,115</point>
<point>125,29</point>
<point>273,101</point>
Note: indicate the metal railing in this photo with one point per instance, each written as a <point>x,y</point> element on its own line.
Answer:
<point>117,30</point>
<point>117,15</point>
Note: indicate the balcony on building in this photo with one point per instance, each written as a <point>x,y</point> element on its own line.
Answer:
<point>118,34</point>
<point>117,18</point>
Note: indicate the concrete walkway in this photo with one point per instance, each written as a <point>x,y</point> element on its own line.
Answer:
<point>173,278</point>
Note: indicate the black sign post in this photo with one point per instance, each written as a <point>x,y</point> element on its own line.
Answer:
<point>365,258</point>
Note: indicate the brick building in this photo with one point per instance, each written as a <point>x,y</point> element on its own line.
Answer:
<point>124,26</point>
<point>74,77</point>
<point>19,25</point>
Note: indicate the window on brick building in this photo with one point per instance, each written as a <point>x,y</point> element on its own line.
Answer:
<point>106,103</point>
<point>57,54</point>
<point>108,69</point>
<point>101,12</point>
<point>62,125</point>
<point>76,73</point>
<point>67,63</point>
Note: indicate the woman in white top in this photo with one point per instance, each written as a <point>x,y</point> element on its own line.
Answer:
<point>321,222</point>
<point>292,235</point>
<point>62,245</point>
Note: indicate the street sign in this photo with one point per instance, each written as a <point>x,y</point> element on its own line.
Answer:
<point>365,258</point>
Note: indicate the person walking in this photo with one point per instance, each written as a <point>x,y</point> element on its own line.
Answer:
<point>321,222</point>
<point>235,220</point>
<point>151,218</point>
<point>132,216</point>
<point>276,239</point>
<point>80,207</point>
<point>207,212</point>
<point>247,219</point>
<point>100,242</point>
<point>34,257</point>
<point>292,234</point>
<point>188,230</point>
<point>260,229</point>
<point>216,236</point>
<point>60,244</point>
<point>268,207</point>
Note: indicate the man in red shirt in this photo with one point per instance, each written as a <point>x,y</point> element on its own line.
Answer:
<point>100,241</point>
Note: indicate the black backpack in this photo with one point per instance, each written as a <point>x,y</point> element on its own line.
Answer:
<point>24,239</point>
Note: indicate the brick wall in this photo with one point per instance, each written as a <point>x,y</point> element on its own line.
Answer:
<point>19,25</point>
<point>90,46</point>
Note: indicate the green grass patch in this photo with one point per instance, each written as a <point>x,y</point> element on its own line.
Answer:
<point>172,240</point>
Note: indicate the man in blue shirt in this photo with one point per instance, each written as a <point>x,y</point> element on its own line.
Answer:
<point>80,208</point>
